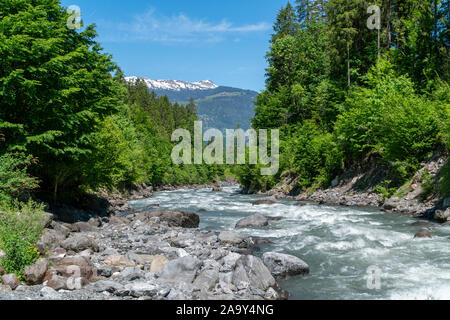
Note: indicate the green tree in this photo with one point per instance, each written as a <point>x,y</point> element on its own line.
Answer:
<point>56,86</point>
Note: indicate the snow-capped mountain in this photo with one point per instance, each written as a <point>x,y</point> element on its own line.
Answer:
<point>175,85</point>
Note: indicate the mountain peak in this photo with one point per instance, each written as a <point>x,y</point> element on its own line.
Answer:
<point>175,85</point>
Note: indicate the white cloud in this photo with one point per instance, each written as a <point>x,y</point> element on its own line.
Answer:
<point>151,26</point>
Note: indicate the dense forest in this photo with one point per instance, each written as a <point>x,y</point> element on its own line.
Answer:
<point>340,91</point>
<point>68,121</point>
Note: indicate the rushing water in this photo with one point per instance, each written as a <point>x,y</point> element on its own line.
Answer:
<point>341,245</point>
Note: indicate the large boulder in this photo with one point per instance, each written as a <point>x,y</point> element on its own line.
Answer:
<point>80,243</point>
<point>442,215</point>
<point>46,219</point>
<point>424,233</point>
<point>72,267</point>
<point>182,219</point>
<point>256,220</point>
<point>51,239</point>
<point>83,227</point>
<point>35,273</point>
<point>281,265</point>
<point>264,201</point>
<point>207,279</point>
<point>180,270</point>
<point>11,280</point>
<point>231,237</point>
<point>158,263</point>
<point>251,270</point>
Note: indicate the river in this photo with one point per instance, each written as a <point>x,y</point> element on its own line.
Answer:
<point>353,253</point>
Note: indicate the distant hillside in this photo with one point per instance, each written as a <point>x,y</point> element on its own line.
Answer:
<point>218,107</point>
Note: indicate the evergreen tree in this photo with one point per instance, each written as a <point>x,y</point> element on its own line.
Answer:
<point>56,86</point>
<point>286,23</point>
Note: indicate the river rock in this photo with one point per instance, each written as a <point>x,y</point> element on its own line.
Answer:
<point>51,239</point>
<point>46,219</point>
<point>132,273</point>
<point>181,270</point>
<point>11,280</point>
<point>442,215</point>
<point>216,189</point>
<point>420,224</point>
<point>181,219</point>
<point>207,279</point>
<point>424,233</point>
<point>264,201</point>
<point>118,261</point>
<point>106,286</point>
<point>50,294</point>
<point>158,263</point>
<point>250,269</point>
<point>57,282</point>
<point>83,227</point>
<point>80,243</point>
<point>35,273</point>
<point>256,220</point>
<point>231,237</point>
<point>281,265</point>
<point>141,289</point>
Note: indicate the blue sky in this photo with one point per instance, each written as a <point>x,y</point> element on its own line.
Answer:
<point>223,41</point>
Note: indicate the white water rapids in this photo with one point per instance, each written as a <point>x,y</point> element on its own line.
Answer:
<point>341,245</point>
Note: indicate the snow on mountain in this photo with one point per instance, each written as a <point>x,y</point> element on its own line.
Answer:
<point>175,85</point>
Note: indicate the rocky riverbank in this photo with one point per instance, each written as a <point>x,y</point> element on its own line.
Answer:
<point>356,188</point>
<point>158,255</point>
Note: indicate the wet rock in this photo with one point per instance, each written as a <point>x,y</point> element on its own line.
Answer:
<point>256,221</point>
<point>11,280</point>
<point>35,273</point>
<point>80,243</point>
<point>158,263</point>
<point>281,265</point>
<point>216,189</point>
<point>420,224</point>
<point>424,233</point>
<point>442,215</point>
<point>231,237</point>
<point>181,219</point>
<point>264,201</point>
<point>250,269</point>
<point>181,270</point>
